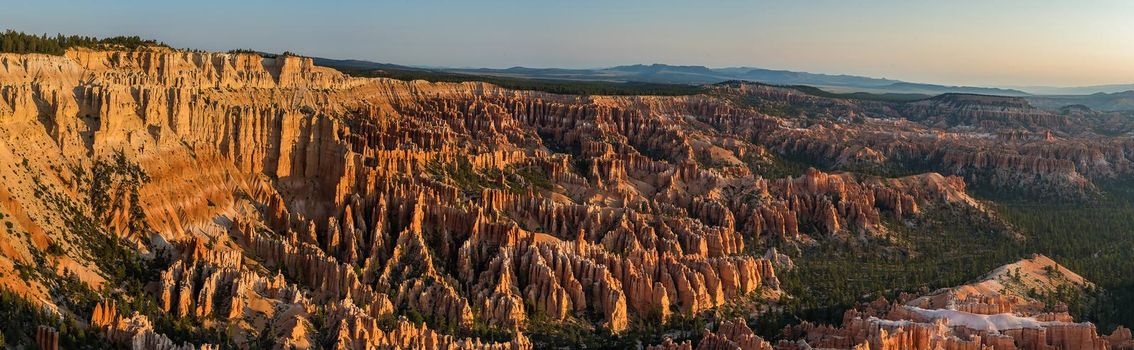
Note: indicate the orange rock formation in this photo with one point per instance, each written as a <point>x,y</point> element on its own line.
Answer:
<point>290,199</point>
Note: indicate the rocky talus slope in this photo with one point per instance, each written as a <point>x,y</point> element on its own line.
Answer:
<point>272,203</point>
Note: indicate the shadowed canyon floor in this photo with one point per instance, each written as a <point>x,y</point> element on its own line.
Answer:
<point>162,199</point>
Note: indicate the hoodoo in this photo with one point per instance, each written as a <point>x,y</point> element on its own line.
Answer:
<point>156,198</point>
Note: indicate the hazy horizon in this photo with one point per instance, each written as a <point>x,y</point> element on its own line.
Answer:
<point>975,43</point>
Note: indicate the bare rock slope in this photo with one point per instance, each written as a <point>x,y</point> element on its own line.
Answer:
<point>281,204</point>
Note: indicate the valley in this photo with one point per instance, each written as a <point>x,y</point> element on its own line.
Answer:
<point>157,198</point>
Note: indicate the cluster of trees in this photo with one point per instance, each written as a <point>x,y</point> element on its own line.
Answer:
<point>21,318</point>
<point>264,54</point>
<point>952,248</point>
<point>1096,240</point>
<point>944,249</point>
<point>19,42</point>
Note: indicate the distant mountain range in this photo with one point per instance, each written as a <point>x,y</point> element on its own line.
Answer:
<point>662,73</point>
<point>671,74</point>
<point>1081,90</point>
<point>1100,97</point>
<point>1118,101</point>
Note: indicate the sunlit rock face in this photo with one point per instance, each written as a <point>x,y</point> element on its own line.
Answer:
<point>288,205</point>
<point>302,207</point>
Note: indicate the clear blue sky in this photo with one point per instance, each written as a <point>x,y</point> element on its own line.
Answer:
<point>975,42</point>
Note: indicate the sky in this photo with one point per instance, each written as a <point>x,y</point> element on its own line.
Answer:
<point>956,42</point>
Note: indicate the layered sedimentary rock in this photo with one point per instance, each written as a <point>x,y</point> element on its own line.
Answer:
<point>396,196</point>
<point>999,141</point>
<point>290,204</point>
